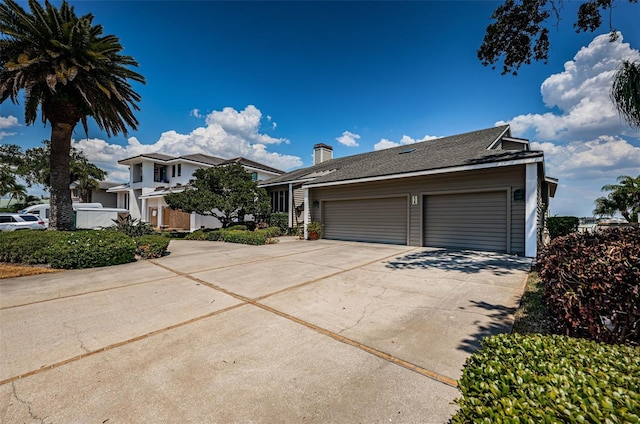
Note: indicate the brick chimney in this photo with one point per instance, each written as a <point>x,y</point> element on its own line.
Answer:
<point>322,153</point>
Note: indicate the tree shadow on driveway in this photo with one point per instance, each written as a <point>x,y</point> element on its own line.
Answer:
<point>501,319</point>
<point>466,261</point>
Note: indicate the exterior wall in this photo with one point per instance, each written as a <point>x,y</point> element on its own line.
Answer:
<point>505,178</point>
<point>108,200</point>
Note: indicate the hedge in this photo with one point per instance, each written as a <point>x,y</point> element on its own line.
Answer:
<point>549,379</point>
<point>592,284</point>
<point>26,246</point>
<point>88,249</point>
<point>151,246</point>
<point>280,220</point>
<point>562,225</point>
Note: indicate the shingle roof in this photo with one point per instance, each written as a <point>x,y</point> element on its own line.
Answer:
<point>202,158</point>
<point>253,164</point>
<point>457,150</point>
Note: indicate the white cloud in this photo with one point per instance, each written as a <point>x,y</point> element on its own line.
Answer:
<point>228,134</point>
<point>195,113</point>
<point>8,122</point>
<point>581,93</point>
<point>586,144</point>
<point>584,167</point>
<point>348,139</point>
<point>386,144</point>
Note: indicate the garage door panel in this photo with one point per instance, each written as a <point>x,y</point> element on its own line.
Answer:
<point>369,220</point>
<point>466,220</point>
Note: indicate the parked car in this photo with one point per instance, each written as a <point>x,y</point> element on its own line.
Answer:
<point>17,221</point>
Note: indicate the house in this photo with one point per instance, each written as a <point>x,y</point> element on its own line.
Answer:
<point>153,175</point>
<point>101,194</point>
<point>482,190</point>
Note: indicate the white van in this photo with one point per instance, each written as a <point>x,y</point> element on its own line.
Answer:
<point>43,210</point>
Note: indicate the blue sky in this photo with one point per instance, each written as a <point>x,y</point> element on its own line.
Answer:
<point>268,80</point>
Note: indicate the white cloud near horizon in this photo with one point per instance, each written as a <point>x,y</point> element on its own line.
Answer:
<point>7,122</point>
<point>228,134</point>
<point>586,143</point>
<point>349,139</point>
<point>386,143</point>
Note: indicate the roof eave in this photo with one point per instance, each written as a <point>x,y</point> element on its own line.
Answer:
<point>425,172</point>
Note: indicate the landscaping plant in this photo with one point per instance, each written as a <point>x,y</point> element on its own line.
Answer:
<point>549,379</point>
<point>592,284</point>
<point>562,225</point>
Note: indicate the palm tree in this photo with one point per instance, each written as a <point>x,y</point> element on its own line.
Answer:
<point>16,191</point>
<point>86,175</point>
<point>71,71</point>
<point>623,197</point>
<point>625,92</point>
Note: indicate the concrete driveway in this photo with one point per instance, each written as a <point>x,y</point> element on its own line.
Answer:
<point>299,331</point>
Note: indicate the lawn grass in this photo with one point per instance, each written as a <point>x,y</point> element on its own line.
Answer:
<point>12,270</point>
<point>532,315</point>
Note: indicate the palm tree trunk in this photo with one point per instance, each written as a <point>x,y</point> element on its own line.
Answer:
<point>61,204</point>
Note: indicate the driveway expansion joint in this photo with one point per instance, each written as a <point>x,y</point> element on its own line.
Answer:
<point>373,351</point>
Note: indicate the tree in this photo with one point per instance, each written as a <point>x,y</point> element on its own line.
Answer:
<point>33,166</point>
<point>623,197</point>
<point>227,193</point>
<point>520,35</point>
<point>16,191</point>
<point>70,71</point>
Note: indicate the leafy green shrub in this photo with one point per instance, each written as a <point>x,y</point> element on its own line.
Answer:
<point>197,235</point>
<point>151,246</point>
<point>88,249</point>
<point>280,220</point>
<point>270,231</point>
<point>27,247</point>
<point>592,284</point>
<point>237,227</point>
<point>132,226</point>
<point>562,225</point>
<point>244,237</point>
<point>214,235</point>
<point>549,379</point>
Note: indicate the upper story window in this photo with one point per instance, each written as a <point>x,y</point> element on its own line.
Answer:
<point>173,171</point>
<point>179,170</point>
<point>137,173</point>
<point>160,174</point>
<point>254,176</point>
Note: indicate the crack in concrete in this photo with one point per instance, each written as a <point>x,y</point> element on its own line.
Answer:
<point>76,332</point>
<point>26,403</point>
<point>364,311</point>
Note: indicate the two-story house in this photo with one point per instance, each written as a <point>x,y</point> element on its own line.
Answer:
<point>153,175</point>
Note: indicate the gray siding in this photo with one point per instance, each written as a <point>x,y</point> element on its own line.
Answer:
<point>511,177</point>
<point>370,220</point>
<point>476,220</point>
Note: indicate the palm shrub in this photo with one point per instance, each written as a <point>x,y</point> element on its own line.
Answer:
<point>592,284</point>
<point>132,226</point>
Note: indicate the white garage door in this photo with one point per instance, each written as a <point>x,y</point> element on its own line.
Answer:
<point>470,220</point>
<point>369,220</point>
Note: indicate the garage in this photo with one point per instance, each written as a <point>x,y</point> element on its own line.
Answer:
<point>380,220</point>
<point>476,221</point>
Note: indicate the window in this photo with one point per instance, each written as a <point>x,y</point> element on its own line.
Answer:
<point>173,171</point>
<point>179,169</point>
<point>279,201</point>
<point>254,176</point>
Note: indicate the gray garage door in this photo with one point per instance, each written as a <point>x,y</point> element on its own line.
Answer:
<point>370,220</point>
<point>470,220</point>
